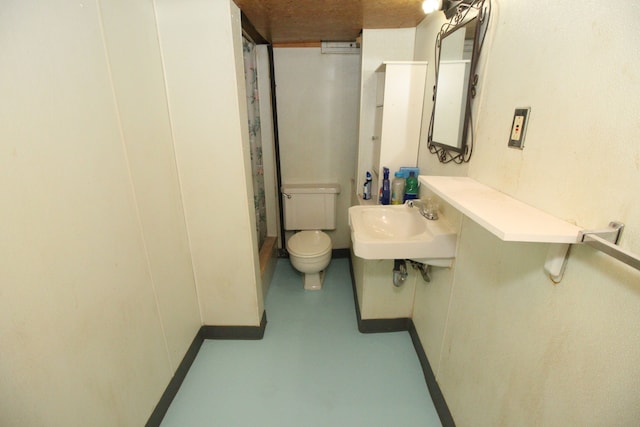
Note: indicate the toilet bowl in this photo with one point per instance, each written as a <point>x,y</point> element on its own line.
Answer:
<point>310,253</point>
<point>308,209</point>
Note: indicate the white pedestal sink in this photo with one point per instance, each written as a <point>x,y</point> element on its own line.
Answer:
<point>400,232</point>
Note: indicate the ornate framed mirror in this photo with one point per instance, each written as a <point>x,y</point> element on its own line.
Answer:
<point>458,47</point>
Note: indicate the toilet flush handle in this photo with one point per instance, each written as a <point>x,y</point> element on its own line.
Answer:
<point>288,195</point>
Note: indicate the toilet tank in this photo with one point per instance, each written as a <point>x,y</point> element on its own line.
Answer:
<point>309,206</point>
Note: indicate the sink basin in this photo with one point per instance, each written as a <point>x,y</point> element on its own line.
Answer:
<point>400,232</point>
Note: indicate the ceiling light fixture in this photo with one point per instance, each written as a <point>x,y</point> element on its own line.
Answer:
<point>452,7</point>
<point>429,6</point>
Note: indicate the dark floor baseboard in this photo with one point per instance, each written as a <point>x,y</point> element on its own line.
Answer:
<point>206,332</point>
<point>174,385</point>
<point>235,332</point>
<point>375,326</point>
<point>434,389</point>
<point>341,253</point>
<point>406,324</point>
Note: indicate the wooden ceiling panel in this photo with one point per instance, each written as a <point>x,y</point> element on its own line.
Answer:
<point>287,21</point>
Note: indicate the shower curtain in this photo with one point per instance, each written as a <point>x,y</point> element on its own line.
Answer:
<point>255,138</point>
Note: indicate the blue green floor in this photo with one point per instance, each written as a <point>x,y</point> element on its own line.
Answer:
<point>313,367</point>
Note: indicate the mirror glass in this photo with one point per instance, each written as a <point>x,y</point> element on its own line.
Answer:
<point>451,97</point>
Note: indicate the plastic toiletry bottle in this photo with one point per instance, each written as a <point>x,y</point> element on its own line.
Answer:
<point>397,189</point>
<point>411,187</point>
<point>366,192</point>
<point>385,191</point>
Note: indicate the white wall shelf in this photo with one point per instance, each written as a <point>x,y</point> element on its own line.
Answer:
<point>509,219</point>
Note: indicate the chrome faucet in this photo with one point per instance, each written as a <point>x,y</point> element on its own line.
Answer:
<point>427,208</point>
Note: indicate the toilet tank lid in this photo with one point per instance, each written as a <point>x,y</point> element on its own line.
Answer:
<point>310,188</point>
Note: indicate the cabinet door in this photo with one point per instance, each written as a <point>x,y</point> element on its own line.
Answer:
<point>376,140</point>
<point>401,121</point>
<point>380,89</point>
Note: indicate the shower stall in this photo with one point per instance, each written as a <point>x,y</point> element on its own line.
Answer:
<point>263,153</point>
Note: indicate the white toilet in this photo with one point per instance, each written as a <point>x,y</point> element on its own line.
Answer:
<point>309,209</point>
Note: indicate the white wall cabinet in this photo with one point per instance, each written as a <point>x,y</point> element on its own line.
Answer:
<point>399,98</point>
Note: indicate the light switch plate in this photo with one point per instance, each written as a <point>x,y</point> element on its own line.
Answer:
<point>519,127</point>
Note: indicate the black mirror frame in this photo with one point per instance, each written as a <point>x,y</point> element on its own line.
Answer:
<point>464,13</point>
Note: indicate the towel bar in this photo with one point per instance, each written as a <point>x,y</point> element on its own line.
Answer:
<point>607,241</point>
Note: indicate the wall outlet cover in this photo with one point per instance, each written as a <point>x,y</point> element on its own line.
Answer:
<point>519,127</point>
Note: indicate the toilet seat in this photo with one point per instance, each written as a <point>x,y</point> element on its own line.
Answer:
<point>309,244</point>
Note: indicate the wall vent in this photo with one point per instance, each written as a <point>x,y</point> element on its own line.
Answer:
<point>352,47</point>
